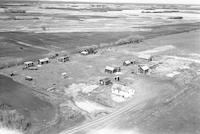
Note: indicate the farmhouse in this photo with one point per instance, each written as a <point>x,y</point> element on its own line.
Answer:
<point>43,61</point>
<point>63,59</point>
<point>146,57</point>
<point>123,91</point>
<point>143,69</point>
<point>28,64</point>
<point>105,81</point>
<point>112,70</point>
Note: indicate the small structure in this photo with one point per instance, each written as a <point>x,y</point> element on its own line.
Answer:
<point>105,81</point>
<point>84,52</point>
<point>146,57</point>
<point>28,78</point>
<point>13,74</point>
<point>112,70</point>
<point>28,64</point>
<point>117,78</point>
<point>128,62</point>
<point>43,61</point>
<point>143,69</point>
<point>123,91</point>
<point>64,75</point>
<point>51,89</point>
<point>88,51</point>
<point>63,59</point>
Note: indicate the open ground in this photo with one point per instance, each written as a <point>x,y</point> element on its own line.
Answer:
<point>85,94</point>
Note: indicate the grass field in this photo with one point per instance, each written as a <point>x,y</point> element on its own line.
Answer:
<point>21,98</point>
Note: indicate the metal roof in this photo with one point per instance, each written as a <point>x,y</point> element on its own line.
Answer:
<point>43,60</point>
<point>110,68</point>
<point>144,67</point>
<point>28,62</point>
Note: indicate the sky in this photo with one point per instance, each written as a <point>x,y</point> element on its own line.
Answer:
<point>141,1</point>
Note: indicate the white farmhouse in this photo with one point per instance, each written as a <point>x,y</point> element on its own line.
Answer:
<point>123,91</point>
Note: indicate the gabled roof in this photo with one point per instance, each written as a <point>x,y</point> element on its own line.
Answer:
<point>62,57</point>
<point>144,67</point>
<point>110,68</point>
<point>28,62</point>
<point>45,59</point>
<point>127,62</point>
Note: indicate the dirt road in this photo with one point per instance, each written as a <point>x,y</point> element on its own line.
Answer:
<point>139,115</point>
<point>108,118</point>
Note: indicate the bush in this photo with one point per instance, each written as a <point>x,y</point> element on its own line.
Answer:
<point>10,118</point>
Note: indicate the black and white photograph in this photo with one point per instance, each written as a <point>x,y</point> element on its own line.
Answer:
<point>99,67</point>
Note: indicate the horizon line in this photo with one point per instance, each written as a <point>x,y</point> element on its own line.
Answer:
<point>104,2</point>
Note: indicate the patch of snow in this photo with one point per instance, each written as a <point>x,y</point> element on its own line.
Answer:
<point>117,98</point>
<point>85,88</point>
<point>171,75</point>
<point>9,131</point>
<point>118,73</point>
<point>89,106</point>
<point>156,50</point>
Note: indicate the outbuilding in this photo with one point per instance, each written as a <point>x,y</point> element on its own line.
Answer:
<point>43,61</point>
<point>105,81</point>
<point>28,64</point>
<point>112,70</point>
<point>63,59</point>
<point>28,78</point>
<point>84,52</point>
<point>128,62</point>
<point>143,69</point>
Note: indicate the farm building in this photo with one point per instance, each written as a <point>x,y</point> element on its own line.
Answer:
<point>123,91</point>
<point>143,69</point>
<point>88,51</point>
<point>146,57</point>
<point>28,78</point>
<point>84,52</point>
<point>128,62</point>
<point>43,61</point>
<point>112,70</point>
<point>63,59</point>
<point>28,64</point>
<point>105,81</point>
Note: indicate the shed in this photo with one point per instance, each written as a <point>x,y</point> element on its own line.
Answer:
<point>64,75</point>
<point>28,78</point>
<point>63,59</point>
<point>28,64</point>
<point>84,52</point>
<point>127,63</point>
<point>146,57</point>
<point>111,70</point>
<point>144,69</point>
<point>43,61</point>
<point>105,81</point>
